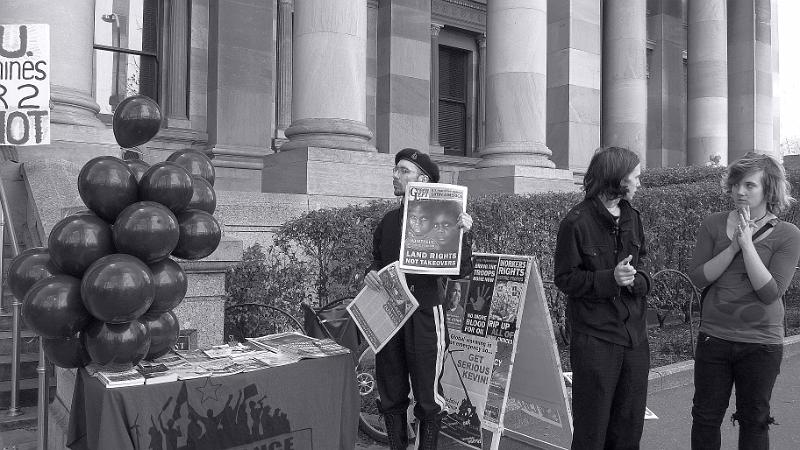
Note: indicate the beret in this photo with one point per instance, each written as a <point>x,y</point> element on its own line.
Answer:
<point>421,160</point>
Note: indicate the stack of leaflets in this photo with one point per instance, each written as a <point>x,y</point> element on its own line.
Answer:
<point>155,373</point>
<point>130,377</point>
<point>298,345</point>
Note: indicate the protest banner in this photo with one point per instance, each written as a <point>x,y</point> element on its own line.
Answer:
<point>524,400</point>
<point>25,84</point>
<point>431,238</point>
<point>379,314</point>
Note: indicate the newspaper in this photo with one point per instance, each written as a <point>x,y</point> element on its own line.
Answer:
<point>379,314</point>
<point>431,240</point>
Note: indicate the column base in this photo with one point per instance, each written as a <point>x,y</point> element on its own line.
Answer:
<point>516,180</point>
<point>342,134</point>
<point>329,171</point>
<point>238,168</point>
<point>523,153</point>
<point>74,107</point>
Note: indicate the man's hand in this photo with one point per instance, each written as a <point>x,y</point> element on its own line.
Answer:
<point>464,221</point>
<point>373,281</point>
<point>624,272</point>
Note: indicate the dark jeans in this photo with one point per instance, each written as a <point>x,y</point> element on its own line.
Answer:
<point>718,366</point>
<point>609,393</point>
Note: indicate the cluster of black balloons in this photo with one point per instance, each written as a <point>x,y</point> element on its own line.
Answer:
<point>104,289</point>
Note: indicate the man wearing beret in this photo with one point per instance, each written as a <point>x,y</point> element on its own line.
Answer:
<point>419,348</point>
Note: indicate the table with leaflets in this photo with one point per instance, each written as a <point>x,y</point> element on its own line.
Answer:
<point>308,404</point>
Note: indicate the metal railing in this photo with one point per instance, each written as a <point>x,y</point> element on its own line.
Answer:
<point>6,224</point>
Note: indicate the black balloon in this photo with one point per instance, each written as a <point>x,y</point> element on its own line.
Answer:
<point>200,234</point>
<point>53,307</point>
<point>27,268</point>
<point>117,288</point>
<point>138,167</point>
<point>136,120</point>
<point>116,346</point>
<point>146,230</point>
<point>167,183</point>
<point>107,185</point>
<point>171,284</point>
<point>203,196</point>
<point>66,352</point>
<point>195,162</point>
<point>79,240</point>
<point>164,331</point>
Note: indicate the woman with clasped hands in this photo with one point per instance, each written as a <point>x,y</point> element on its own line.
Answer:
<point>741,334</point>
<point>600,244</point>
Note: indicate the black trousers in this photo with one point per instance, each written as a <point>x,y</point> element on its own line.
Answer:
<point>719,365</point>
<point>416,354</point>
<point>609,393</point>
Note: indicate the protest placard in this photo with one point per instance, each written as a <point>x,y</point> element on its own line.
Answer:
<point>431,238</point>
<point>25,84</point>
<point>380,313</point>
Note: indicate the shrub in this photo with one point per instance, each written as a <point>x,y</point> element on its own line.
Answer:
<point>334,244</point>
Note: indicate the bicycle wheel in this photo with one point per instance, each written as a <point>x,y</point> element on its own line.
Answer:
<point>370,419</point>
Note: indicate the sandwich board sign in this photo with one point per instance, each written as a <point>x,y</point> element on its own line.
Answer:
<point>502,377</point>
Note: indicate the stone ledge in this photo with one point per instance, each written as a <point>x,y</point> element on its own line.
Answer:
<point>682,373</point>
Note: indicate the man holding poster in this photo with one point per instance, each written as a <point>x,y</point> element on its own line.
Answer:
<point>419,348</point>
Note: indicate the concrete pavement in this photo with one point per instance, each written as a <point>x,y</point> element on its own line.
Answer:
<point>670,397</point>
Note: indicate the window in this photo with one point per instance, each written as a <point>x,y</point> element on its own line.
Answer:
<point>125,51</point>
<point>453,100</point>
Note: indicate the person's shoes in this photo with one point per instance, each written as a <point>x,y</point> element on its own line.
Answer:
<point>396,431</point>
<point>428,436</point>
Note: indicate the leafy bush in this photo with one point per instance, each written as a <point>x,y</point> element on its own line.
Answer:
<point>333,245</point>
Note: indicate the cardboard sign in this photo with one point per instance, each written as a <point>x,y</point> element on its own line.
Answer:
<point>25,84</point>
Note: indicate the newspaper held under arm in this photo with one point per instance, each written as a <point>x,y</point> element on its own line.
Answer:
<point>379,314</point>
<point>431,237</point>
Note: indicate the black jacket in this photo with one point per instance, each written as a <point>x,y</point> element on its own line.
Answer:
<point>589,246</point>
<point>427,289</point>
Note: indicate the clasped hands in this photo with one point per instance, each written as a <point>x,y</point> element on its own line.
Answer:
<point>624,272</point>
<point>743,233</point>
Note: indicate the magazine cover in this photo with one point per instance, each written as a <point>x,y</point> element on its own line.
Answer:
<point>379,314</point>
<point>456,300</point>
<point>431,240</point>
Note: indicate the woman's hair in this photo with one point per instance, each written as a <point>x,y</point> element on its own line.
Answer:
<point>608,167</point>
<point>777,190</point>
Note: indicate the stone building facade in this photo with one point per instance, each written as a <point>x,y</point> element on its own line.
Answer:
<point>304,102</point>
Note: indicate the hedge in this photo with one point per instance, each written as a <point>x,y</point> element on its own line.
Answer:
<point>322,255</point>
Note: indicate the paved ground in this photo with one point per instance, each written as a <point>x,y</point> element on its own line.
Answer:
<point>672,406</point>
<point>671,430</point>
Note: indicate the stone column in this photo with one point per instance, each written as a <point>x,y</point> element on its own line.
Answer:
<point>749,78</point>
<point>71,39</point>
<point>481,40</point>
<point>435,28</point>
<point>624,76</point>
<point>240,109</point>
<point>284,76</point>
<point>176,110</point>
<point>514,157</point>
<point>329,76</point>
<point>573,81</point>
<point>707,102</point>
<point>516,91</point>
<point>404,75</point>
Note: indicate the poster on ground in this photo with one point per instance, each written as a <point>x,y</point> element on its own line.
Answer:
<point>379,314</point>
<point>523,399</point>
<point>431,238</point>
<point>24,84</point>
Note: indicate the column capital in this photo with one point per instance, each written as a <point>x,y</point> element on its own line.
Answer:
<point>481,40</point>
<point>436,28</point>
<point>288,3</point>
